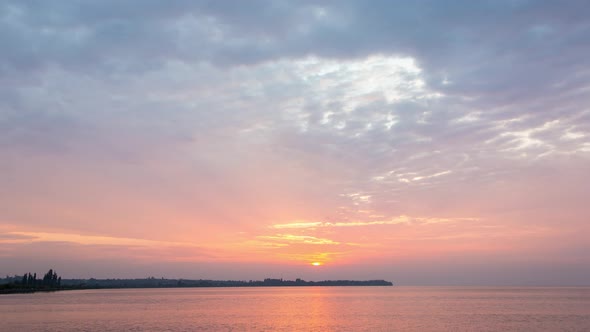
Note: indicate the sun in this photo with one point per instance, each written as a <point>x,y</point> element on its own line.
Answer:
<point>316,264</point>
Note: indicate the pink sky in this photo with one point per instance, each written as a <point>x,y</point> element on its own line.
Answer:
<point>223,143</point>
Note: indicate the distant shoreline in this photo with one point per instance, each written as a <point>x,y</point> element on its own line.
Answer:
<point>84,284</point>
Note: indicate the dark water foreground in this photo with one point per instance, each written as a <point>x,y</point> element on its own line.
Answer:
<point>300,309</point>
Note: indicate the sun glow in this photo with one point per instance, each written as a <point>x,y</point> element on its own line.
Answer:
<point>316,264</point>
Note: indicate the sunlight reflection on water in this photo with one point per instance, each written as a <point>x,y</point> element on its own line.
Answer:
<point>300,309</point>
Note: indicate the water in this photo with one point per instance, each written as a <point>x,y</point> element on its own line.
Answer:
<point>300,309</point>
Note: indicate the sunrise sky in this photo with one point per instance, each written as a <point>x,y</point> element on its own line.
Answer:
<point>422,142</point>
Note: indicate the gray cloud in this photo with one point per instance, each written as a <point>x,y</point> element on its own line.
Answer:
<point>501,53</point>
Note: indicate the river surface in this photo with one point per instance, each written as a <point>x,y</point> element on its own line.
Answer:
<point>300,309</point>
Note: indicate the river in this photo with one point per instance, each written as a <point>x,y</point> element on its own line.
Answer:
<point>301,309</point>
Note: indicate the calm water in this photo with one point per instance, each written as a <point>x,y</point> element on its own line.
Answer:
<point>300,309</point>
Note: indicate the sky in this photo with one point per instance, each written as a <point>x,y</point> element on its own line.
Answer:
<point>422,142</point>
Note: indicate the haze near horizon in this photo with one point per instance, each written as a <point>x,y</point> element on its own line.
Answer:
<point>420,142</point>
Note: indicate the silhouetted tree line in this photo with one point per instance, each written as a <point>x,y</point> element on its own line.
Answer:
<point>165,283</point>
<point>50,280</point>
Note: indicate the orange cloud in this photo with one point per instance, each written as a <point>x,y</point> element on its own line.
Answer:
<point>394,221</point>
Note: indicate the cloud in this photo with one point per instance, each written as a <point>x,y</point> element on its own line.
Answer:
<point>16,237</point>
<point>313,224</point>
<point>394,221</point>
<point>290,238</point>
<point>28,237</point>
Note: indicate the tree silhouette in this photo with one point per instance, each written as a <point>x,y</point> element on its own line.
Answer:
<point>51,279</point>
<point>29,282</point>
